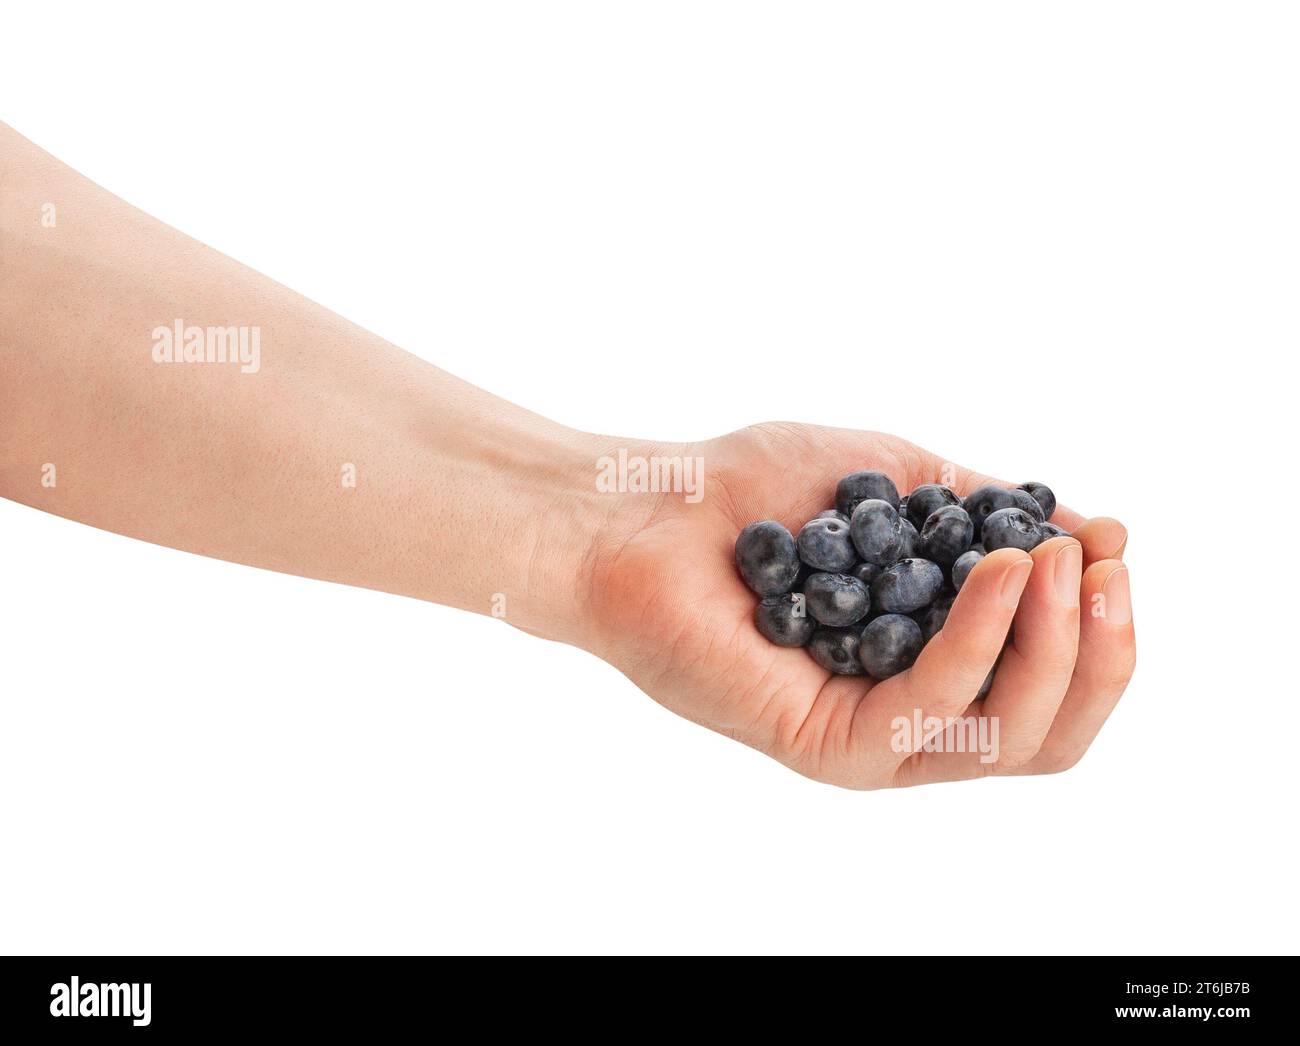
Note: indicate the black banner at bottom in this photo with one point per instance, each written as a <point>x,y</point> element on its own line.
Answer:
<point>52,997</point>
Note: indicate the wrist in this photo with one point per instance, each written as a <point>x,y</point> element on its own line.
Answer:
<point>512,517</point>
<point>587,496</point>
<point>556,520</point>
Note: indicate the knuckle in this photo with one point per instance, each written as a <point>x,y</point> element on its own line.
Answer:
<point>1057,760</point>
<point>1014,759</point>
<point>1054,661</point>
<point>958,647</point>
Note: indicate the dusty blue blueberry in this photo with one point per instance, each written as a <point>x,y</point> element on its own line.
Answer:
<point>877,532</point>
<point>982,503</point>
<point>948,532</point>
<point>911,539</point>
<point>928,498</point>
<point>908,585</point>
<point>1042,493</point>
<point>1011,528</point>
<point>933,617</point>
<point>1051,530</point>
<point>1028,504</point>
<point>784,620</point>
<point>832,513</point>
<point>825,544</point>
<point>889,645</point>
<point>963,566</point>
<point>977,547</point>
<point>836,650</point>
<point>858,487</point>
<point>767,558</point>
<point>837,599</point>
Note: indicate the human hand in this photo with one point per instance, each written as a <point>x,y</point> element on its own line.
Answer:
<point>472,502</point>
<point>671,612</point>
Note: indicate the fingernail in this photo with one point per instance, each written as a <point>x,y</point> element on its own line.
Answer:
<point>1119,608</point>
<point>1119,552</point>
<point>1069,572</point>
<point>1013,583</point>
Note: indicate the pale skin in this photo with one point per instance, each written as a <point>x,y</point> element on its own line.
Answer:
<point>461,497</point>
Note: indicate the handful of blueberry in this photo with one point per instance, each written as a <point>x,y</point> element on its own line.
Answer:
<point>867,584</point>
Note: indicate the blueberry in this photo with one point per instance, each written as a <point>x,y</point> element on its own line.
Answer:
<point>767,558</point>
<point>836,599</point>
<point>825,544</point>
<point>908,585</point>
<point>836,650</point>
<point>948,532</point>
<point>1027,503</point>
<point>964,565</point>
<point>1011,528</point>
<point>877,532</point>
<point>902,505</point>
<point>1042,493</point>
<point>784,620</point>
<point>911,539</point>
<point>982,503</point>
<point>866,572</point>
<point>977,547</point>
<point>889,645</point>
<point>858,487</point>
<point>1051,530</point>
<point>928,498</point>
<point>933,617</point>
<point>832,513</point>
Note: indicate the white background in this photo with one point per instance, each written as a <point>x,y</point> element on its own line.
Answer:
<point>1046,240</point>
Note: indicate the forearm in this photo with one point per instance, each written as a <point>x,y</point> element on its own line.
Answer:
<point>332,455</point>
